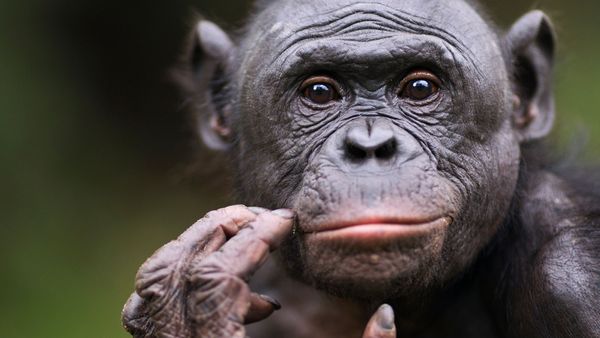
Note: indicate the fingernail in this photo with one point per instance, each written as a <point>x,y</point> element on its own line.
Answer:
<point>385,319</point>
<point>285,213</point>
<point>257,210</point>
<point>273,302</point>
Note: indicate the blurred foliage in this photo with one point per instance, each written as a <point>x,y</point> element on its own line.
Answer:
<point>94,146</point>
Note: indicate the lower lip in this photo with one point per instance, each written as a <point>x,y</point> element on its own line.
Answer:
<point>369,233</point>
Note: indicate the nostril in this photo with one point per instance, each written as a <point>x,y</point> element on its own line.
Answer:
<point>382,151</point>
<point>362,144</point>
<point>355,153</point>
<point>386,150</point>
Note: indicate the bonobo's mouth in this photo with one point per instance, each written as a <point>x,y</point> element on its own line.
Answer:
<point>378,230</point>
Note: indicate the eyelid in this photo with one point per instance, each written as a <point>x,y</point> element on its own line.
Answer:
<point>419,75</point>
<point>313,80</point>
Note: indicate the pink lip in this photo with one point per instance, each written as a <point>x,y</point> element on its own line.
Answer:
<point>378,229</point>
<point>359,222</point>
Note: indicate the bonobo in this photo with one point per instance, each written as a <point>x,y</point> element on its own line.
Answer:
<point>393,151</point>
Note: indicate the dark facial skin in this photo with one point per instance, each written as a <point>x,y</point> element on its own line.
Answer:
<point>398,143</point>
<point>441,149</point>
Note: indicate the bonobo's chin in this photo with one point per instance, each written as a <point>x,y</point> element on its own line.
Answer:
<point>369,258</point>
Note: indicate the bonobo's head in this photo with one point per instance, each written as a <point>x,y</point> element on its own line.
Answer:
<point>393,128</point>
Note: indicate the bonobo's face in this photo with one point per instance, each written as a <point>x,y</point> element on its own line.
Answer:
<point>385,126</point>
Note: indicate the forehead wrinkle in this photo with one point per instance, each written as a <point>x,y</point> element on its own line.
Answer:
<point>399,50</point>
<point>370,20</point>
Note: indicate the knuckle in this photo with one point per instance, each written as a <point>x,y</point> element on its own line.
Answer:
<point>160,273</point>
<point>158,269</point>
<point>133,307</point>
<point>208,268</point>
<point>211,277</point>
<point>134,317</point>
<point>231,218</point>
<point>214,214</point>
<point>227,211</point>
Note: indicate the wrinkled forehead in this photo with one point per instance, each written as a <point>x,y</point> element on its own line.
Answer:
<point>453,20</point>
<point>416,8</point>
<point>455,15</point>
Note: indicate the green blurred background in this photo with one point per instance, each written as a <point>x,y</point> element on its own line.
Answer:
<point>95,148</point>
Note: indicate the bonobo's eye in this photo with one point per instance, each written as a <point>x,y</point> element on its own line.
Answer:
<point>320,90</point>
<point>419,85</point>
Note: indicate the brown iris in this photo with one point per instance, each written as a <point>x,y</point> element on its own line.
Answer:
<point>419,85</point>
<point>320,90</point>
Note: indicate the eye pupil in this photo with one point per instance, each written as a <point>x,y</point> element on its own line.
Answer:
<point>321,90</point>
<point>320,93</point>
<point>419,85</point>
<point>420,89</point>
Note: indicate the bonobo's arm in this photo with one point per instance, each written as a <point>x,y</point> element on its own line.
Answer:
<point>196,285</point>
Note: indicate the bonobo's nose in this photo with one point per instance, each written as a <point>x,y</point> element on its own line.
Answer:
<point>366,141</point>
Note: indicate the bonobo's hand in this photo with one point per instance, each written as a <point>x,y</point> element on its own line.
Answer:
<point>381,324</point>
<point>195,286</point>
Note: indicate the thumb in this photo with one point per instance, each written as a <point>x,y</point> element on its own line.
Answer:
<point>381,325</point>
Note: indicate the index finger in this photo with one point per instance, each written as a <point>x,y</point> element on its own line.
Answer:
<point>229,220</point>
<point>244,253</point>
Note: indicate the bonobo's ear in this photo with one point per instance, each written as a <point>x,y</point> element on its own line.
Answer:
<point>530,44</point>
<point>211,61</point>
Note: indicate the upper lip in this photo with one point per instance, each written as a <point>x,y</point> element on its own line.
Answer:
<point>359,221</point>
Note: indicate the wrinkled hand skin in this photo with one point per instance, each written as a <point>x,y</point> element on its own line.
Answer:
<point>195,286</point>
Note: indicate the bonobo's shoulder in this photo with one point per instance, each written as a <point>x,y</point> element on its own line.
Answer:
<point>562,200</point>
<point>547,203</point>
<point>561,224</point>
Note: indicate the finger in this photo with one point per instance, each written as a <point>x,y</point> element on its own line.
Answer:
<point>135,318</point>
<point>229,220</point>
<point>381,325</point>
<point>202,238</point>
<point>258,210</point>
<point>243,254</point>
<point>261,307</point>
